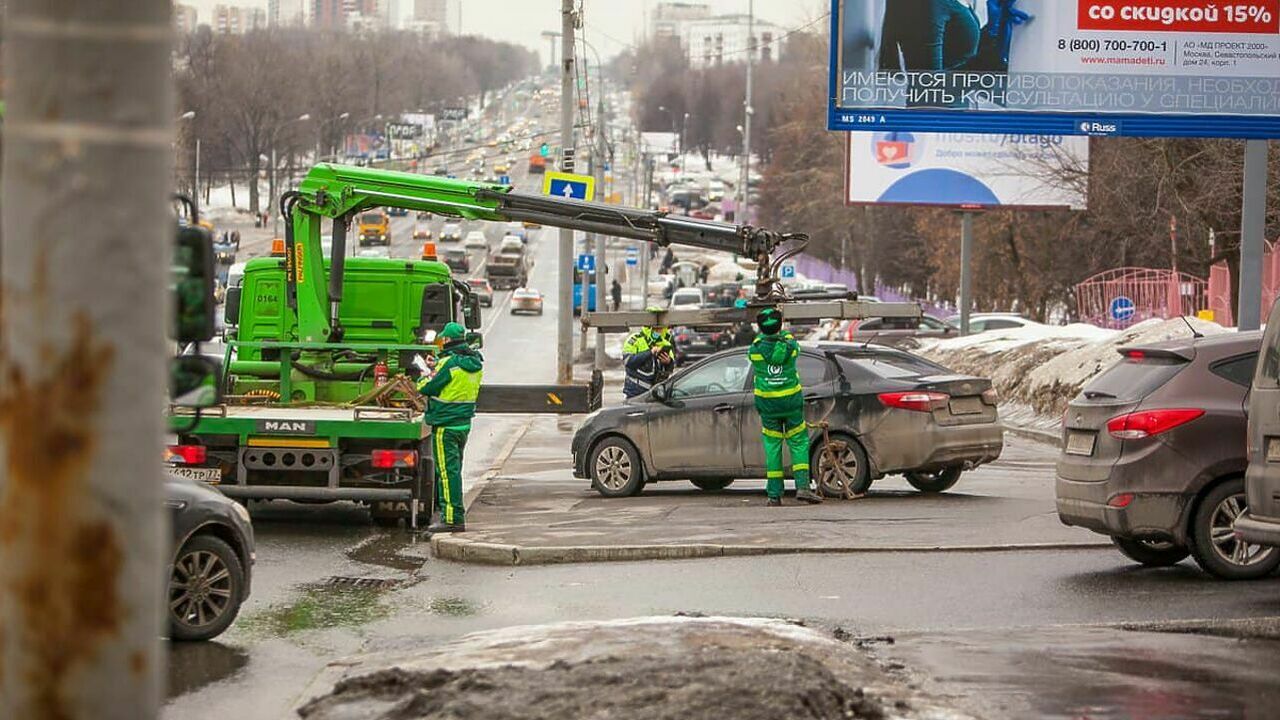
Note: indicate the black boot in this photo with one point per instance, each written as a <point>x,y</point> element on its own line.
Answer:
<point>774,502</point>
<point>444,527</point>
<point>806,495</point>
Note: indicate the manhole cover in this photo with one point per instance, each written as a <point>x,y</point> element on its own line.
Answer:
<point>362,583</point>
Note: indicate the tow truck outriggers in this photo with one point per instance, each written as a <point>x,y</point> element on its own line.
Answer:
<point>314,336</point>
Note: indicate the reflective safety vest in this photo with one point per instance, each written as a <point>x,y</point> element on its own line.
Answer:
<point>777,382</point>
<point>453,391</point>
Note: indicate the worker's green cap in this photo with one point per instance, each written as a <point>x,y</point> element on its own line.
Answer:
<point>769,320</point>
<point>453,331</point>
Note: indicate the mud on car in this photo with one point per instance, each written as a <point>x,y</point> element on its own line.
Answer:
<point>895,412</point>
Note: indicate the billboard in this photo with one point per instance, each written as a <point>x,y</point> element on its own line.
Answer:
<point>1193,68</point>
<point>967,170</point>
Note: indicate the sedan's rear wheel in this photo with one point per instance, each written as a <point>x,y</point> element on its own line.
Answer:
<point>206,587</point>
<point>615,468</point>
<point>850,461</point>
<point>1151,553</point>
<point>712,484</point>
<point>1214,545</point>
<point>934,482</point>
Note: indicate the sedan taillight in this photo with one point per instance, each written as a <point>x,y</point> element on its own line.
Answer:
<point>1139,425</point>
<point>915,400</point>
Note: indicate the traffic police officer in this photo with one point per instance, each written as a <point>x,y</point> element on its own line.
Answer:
<point>649,357</point>
<point>451,404</point>
<point>780,401</point>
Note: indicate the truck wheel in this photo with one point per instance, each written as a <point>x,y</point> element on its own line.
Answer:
<point>1213,543</point>
<point>206,587</point>
<point>615,468</point>
<point>1149,553</point>
<point>934,482</point>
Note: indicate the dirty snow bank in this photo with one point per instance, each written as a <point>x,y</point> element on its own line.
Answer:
<point>1039,369</point>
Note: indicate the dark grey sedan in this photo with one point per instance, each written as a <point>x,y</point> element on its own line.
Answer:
<point>897,413</point>
<point>213,553</point>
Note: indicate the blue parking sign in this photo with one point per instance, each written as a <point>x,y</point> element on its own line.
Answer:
<point>788,272</point>
<point>633,257</point>
<point>587,263</point>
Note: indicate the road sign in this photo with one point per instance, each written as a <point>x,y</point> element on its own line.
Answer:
<point>587,263</point>
<point>788,271</point>
<point>504,180</point>
<point>1122,308</point>
<point>568,185</point>
<point>633,257</point>
<point>455,114</point>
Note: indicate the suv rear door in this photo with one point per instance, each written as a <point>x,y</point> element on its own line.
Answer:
<point>1262,485</point>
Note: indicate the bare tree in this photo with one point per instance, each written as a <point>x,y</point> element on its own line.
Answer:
<point>87,228</point>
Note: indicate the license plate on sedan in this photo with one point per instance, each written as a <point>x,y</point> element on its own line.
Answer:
<point>966,406</point>
<point>213,476</point>
<point>1081,443</point>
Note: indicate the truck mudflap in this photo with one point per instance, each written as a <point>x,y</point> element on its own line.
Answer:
<point>553,399</point>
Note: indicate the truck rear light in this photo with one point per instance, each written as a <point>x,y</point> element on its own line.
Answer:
<point>915,400</point>
<point>1149,423</point>
<point>390,459</point>
<point>185,454</point>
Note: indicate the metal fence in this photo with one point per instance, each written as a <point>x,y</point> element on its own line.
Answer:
<point>1125,296</point>
<point>1224,310</point>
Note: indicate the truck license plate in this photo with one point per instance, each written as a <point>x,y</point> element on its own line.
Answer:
<point>213,476</point>
<point>1081,443</point>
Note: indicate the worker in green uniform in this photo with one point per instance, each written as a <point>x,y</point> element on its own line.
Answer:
<point>451,403</point>
<point>780,402</point>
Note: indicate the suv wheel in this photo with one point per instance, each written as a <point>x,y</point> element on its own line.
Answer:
<point>1151,553</point>
<point>206,587</point>
<point>934,482</point>
<point>1214,545</point>
<point>615,468</point>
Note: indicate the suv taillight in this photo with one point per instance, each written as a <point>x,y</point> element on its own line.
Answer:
<point>1148,423</point>
<point>185,454</point>
<point>389,459</point>
<point>916,400</point>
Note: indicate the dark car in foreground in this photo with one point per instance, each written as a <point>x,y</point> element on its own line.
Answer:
<point>211,567</point>
<point>1153,455</point>
<point>896,413</point>
<point>1260,522</point>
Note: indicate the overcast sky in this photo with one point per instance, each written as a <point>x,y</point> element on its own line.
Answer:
<point>610,23</point>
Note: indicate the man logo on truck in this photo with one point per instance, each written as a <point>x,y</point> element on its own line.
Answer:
<point>299,427</point>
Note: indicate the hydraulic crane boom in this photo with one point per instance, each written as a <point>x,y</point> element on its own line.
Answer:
<point>339,192</point>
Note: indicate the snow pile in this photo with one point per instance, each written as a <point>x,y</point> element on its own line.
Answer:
<point>1042,367</point>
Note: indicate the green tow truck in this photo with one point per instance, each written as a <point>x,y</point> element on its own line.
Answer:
<point>315,337</point>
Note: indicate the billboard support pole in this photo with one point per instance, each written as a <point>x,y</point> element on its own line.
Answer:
<point>966,269</point>
<point>564,263</point>
<point>1253,217</point>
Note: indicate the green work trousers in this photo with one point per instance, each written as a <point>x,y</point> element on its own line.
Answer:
<point>447,445</point>
<point>792,430</point>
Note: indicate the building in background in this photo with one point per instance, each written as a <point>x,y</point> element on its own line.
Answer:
<point>331,14</point>
<point>669,18</point>
<point>390,12</point>
<point>185,19</point>
<point>236,20</point>
<point>723,39</point>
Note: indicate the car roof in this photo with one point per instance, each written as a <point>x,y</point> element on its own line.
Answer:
<point>1228,343</point>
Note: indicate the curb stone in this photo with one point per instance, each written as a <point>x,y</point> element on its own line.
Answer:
<point>459,549</point>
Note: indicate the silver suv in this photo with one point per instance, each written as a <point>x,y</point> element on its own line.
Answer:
<point>1261,522</point>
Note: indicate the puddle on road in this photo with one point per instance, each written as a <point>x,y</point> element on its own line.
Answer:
<point>320,608</point>
<point>192,665</point>
<point>394,550</point>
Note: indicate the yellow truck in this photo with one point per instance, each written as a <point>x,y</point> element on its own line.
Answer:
<point>375,228</point>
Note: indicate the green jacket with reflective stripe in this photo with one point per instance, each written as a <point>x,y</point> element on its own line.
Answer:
<point>777,383</point>
<point>452,392</point>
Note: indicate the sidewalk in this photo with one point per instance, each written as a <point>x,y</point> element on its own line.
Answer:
<point>533,511</point>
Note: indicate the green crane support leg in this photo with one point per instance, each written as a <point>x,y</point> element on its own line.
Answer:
<point>792,430</point>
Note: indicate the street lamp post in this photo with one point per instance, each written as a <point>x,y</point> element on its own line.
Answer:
<point>320,133</point>
<point>195,186</point>
<point>271,178</point>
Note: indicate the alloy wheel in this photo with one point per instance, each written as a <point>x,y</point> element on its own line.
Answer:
<point>613,468</point>
<point>199,588</point>
<point>1222,532</point>
<point>828,478</point>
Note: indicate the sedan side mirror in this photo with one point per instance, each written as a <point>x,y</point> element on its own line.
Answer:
<point>661,393</point>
